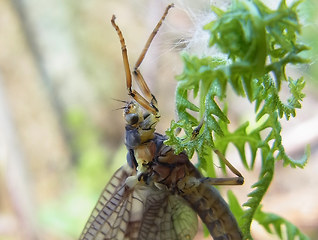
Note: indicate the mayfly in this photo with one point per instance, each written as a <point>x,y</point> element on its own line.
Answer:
<point>157,194</point>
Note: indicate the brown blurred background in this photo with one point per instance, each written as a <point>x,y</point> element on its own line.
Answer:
<point>60,135</point>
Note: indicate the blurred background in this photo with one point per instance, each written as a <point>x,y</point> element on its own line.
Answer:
<point>61,137</point>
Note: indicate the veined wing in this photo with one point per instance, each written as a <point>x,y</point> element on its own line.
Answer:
<point>168,217</point>
<point>109,203</point>
<point>180,217</point>
<point>139,213</point>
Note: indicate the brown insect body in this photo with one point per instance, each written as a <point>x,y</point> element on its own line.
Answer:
<point>178,176</point>
<point>158,194</point>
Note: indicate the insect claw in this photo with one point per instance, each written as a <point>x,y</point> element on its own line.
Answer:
<point>196,131</point>
<point>154,107</point>
<point>240,180</point>
<point>130,93</point>
<point>154,98</point>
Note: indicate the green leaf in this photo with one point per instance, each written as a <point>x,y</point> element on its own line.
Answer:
<point>279,224</point>
<point>259,43</point>
<point>234,205</point>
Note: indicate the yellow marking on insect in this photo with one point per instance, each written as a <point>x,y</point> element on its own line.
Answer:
<point>144,154</point>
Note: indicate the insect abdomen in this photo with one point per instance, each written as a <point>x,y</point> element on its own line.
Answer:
<point>214,212</point>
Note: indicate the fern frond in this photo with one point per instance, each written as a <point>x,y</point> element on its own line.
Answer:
<point>273,223</point>
<point>260,188</point>
<point>259,43</point>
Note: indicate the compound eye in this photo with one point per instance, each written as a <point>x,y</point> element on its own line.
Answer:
<point>132,118</point>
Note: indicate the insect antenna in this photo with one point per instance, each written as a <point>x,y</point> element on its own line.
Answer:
<point>119,100</point>
<point>121,108</point>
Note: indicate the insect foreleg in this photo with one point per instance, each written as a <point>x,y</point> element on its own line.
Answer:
<point>145,90</point>
<point>124,53</point>
<point>149,101</point>
<point>151,37</point>
<point>143,102</point>
<point>139,78</point>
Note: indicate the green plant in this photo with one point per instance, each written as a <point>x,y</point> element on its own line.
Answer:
<point>259,43</point>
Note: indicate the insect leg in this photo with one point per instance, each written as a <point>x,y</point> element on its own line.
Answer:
<point>151,37</point>
<point>143,102</point>
<point>196,131</point>
<point>217,152</point>
<point>149,102</point>
<point>124,53</point>
<point>228,164</point>
<point>145,90</point>
<point>133,93</point>
<point>139,78</point>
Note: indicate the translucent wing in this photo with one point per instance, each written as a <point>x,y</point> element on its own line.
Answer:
<point>112,200</point>
<point>142,212</point>
<point>168,217</point>
<point>181,218</point>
